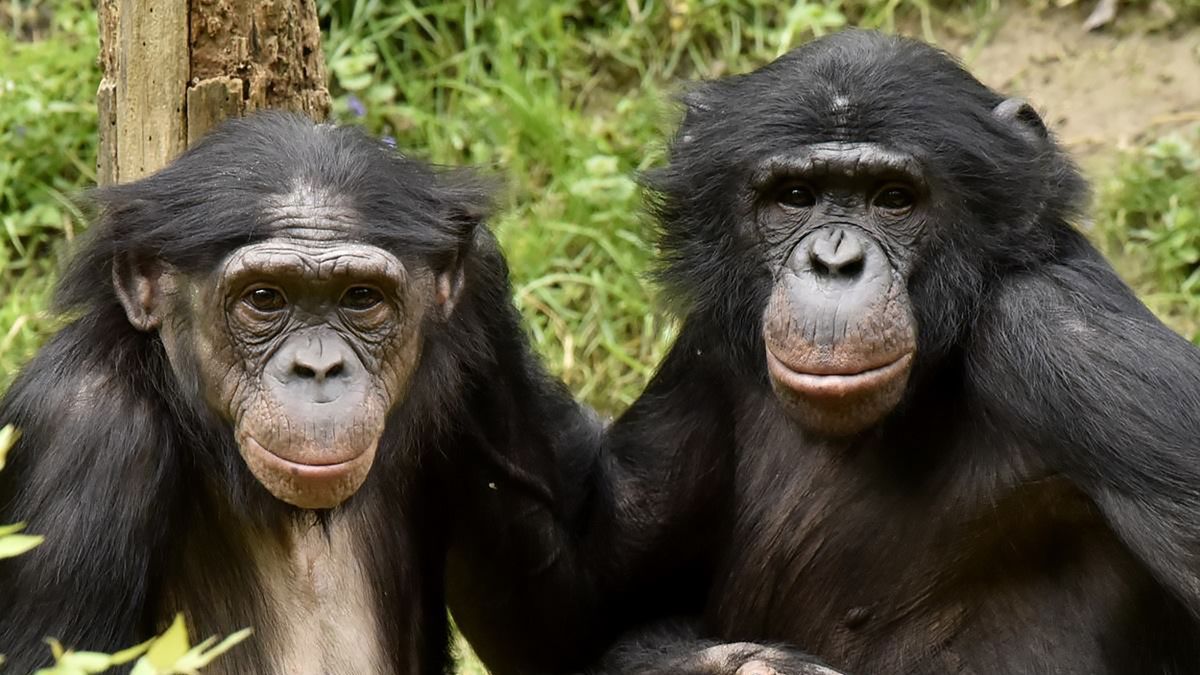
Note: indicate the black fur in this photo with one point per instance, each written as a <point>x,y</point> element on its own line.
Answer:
<point>147,507</point>
<point>1030,506</point>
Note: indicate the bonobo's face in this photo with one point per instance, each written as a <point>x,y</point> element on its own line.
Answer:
<point>839,220</point>
<point>303,342</point>
<point>859,195</point>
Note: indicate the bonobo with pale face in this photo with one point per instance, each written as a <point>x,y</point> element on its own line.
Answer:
<point>292,353</point>
<point>303,340</point>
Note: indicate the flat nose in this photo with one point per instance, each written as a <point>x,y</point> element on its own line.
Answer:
<point>834,279</point>
<point>836,253</point>
<point>318,361</point>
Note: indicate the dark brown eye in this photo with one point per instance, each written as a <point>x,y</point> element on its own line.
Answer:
<point>796,197</point>
<point>360,298</point>
<point>265,299</point>
<point>895,198</point>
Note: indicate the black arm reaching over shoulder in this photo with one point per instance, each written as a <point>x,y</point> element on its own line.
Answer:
<point>543,585</point>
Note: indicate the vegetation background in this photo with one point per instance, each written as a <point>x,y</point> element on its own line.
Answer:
<point>567,100</point>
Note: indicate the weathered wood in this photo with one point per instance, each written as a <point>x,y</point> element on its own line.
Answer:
<point>152,75</point>
<point>106,159</point>
<point>175,68</point>
<point>272,46</point>
<point>106,96</point>
<point>209,102</point>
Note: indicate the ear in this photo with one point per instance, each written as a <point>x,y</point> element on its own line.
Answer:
<point>452,277</point>
<point>140,286</point>
<point>449,285</point>
<point>1023,119</point>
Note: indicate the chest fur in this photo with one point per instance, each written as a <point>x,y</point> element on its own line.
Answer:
<point>317,587</point>
<point>305,591</point>
<point>873,564</point>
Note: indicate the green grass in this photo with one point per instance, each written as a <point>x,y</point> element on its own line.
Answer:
<point>1149,223</point>
<point>47,151</point>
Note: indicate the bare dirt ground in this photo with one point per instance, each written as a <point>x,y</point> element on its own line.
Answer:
<point>1099,91</point>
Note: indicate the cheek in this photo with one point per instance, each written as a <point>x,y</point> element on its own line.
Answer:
<point>201,356</point>
<point>224,371</point>
<point>399,356</point>
<point>396,354</point>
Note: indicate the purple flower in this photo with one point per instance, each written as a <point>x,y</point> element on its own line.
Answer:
<point>356,106</point>
<point>389,141</point>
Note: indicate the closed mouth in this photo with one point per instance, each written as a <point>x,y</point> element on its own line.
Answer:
<point>316,469</point>
<point>835,384</point>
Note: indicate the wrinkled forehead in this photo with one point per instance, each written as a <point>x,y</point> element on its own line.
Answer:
<point>301,260</point>
<point>310,235</point>
<point>309,214</point>
<point>839,159</point>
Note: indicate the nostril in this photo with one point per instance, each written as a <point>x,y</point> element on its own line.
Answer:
<point>819,266</point>
<point>852,269</point>
<point>838,254</point>
<point>320,373</point>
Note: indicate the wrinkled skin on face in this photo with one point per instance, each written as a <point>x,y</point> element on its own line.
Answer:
<point>840,220</point>
<point>304,342</point>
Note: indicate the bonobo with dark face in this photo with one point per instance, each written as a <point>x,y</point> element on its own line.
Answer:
<point>840,219</point>
<point>285,345</point>
<point>912,423</point>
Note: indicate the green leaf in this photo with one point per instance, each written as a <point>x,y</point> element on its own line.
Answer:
<point>67,662</point>
<point>355,82</point>
<point>198,658</point>
<point>8,438</point>
<point>170,653</point>
<point>16,544</point>
<point>56,649</point>
<point>169,647</point>
<point>88,662</point>
<point>127,655</point>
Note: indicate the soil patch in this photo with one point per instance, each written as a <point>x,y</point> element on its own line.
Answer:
<point>1099,91</point>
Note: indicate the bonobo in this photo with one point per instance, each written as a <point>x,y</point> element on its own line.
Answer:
<point>913,421</point>
<point>282,344</point>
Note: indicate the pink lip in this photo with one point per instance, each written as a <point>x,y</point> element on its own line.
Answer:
<point>834,385</point>
<point>309,471</point>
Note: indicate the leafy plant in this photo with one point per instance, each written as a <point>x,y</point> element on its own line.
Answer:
<point>12,542</point>
<point>47,153</point>
<point>168,654</point>
<point>1150,220</point>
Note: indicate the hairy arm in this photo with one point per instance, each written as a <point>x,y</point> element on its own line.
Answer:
<point>617,529</point>
<point>1072,362</point>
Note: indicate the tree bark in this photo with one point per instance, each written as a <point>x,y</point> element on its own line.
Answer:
<point>173,69</point>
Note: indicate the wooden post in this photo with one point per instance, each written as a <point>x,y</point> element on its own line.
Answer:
<point>175,68</point>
